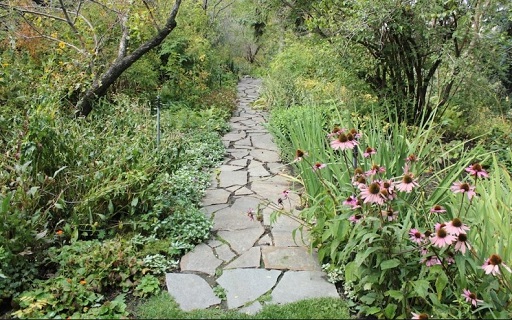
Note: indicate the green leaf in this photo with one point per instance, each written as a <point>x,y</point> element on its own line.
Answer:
<point>135,201</point>
<point>390,310</point>
<point>368,298</point>
<point>441,282</point>
<point>388,264</point>
<point>395,294</point>
<point>372,310</point>
<point>421,287</point>
<point>110,207</point>
<point>361,256</point>
<point>351,271</point>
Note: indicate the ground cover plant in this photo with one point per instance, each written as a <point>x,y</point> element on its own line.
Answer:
<point>162,307</point>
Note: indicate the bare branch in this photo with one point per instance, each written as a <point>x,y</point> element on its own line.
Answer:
<point>71,24</point>
<point>157,27</point>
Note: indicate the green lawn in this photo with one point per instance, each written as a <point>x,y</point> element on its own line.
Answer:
<point>162,306</point>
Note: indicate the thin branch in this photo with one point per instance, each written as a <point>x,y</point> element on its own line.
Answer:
<point>44,36</point>
<point>71,24</point>
<point>157,27</point>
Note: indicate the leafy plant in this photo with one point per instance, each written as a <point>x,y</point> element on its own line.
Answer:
<point>148,285</point>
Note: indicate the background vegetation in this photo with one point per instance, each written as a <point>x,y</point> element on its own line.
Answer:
<point>429,80</point>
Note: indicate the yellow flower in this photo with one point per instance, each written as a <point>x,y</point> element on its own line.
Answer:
<point>83,282</point>
<point>62,45</point>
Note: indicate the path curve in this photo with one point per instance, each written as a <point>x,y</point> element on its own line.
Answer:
<point>250,261</point>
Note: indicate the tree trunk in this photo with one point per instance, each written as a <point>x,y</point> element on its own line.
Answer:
<point>123,62</point>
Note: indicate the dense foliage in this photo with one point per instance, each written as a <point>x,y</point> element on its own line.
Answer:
<point>94,210</point>
<point>408,209</point>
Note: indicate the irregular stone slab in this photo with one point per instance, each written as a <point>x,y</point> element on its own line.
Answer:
<point>190,291</point>
<point>277,167</point>
<point>253,121</point>
<point>265,155</point>
<point>244,285</point>
<point>227,167</point>
<point>249,259</point>
<point>224,253</point>
<point>289,258</point>
<point>216,196</point>
<point>231,178</point>
<point>265,142</point>
<point>233,136</point>
<point>213,243</point>
<point>242,204</point>
<point>286,239</point>
<point>285,223</point>
<point>238,153</point>
<point>300,285</point>
<point>236,119</point>
<point>256,169</point>
<point>238,126</point>
<point>232,218</point>
<point>209,210</point>
<point>243,192</point>
<point>200,259</point>
<point>239,162</point>
<point>265,241</point>
<point>244,142</point>
<point>271,188</point>
<point>242,240</point>
<point>251,309</point>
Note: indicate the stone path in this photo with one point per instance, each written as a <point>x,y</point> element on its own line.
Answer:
<point>252,262</point>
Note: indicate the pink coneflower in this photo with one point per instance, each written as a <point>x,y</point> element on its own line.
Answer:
<point>492,265</point>
<point>372,193</point>
<point>375,169</point>
<point>463,187</point>
<point>343,142</point>
<point>389,214</point>
<point>442,238</point>
<point>449,259</point>
<point>416,236</point>
<point>389,187</point>
<point>437,209</point>
<point>439,226</point>
<point>318,166</point>
<point>411,158</point>
<point>369,152</point>
<point>462,243</point>
<point>408,183</point>
<point>423,251</point>
<point>456,227</point>
<point>476,170</point>
<point>299,154</point>
<point>470,297</point>
<point>355,218</point>
<point>335,132</point>
<point>356,134</point>
<point>419,316</point>
<point>359,181</point>
<point>430,261</point>
<point>350,201</point>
